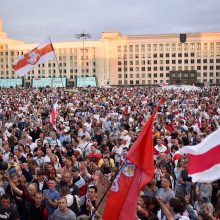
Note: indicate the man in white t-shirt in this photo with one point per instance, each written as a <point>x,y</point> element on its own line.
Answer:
<point>31,144</point>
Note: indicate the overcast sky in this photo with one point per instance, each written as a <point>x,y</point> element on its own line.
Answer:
<point>34,20</point>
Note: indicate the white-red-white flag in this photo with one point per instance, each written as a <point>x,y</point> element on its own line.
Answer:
<point>199,122</point>
<point>40,54</point>
<point>204,159</point>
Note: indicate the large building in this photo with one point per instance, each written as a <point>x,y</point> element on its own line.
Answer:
<point>116,59</point>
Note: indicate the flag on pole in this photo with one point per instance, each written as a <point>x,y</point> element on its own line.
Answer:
<point>136,172</point>
<point>53,114</point>
<point>40,54</point>
<point>199,122</point>
<point>204,159</point>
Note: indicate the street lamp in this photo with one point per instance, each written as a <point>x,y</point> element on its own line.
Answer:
<point>83,36</point>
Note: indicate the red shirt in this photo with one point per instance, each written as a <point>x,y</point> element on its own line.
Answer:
<point>95,155</point>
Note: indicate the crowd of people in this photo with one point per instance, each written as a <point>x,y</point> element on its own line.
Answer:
<point>50,170</point>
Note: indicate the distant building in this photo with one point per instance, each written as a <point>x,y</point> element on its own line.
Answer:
<point>118,59</point>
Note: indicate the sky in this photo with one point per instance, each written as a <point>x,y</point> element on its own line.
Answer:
<point>33,20</point>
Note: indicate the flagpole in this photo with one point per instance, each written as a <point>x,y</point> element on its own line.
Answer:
<point>57,64</point>
<point>109,187</point>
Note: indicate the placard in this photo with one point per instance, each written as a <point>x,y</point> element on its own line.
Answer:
<point>102,185</point>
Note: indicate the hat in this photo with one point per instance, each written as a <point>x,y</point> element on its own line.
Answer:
<point>69,199</point>
<point>29,137</point>
<point>75,169</point>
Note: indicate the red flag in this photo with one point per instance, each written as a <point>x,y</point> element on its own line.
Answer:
<point>137,171</point>
<point>40,54</point>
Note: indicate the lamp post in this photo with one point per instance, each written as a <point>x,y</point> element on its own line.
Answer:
<point>83,36</point>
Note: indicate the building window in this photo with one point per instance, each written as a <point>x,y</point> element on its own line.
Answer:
<point>119,69</point>
<point>155,55</point>
<point>142,68</point>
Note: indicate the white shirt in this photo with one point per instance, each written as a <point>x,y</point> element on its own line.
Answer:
<point>33,146</point>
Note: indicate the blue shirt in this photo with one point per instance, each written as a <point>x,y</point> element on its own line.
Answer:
<point>52,194</point>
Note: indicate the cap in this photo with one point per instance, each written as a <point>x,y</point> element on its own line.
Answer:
<point>29,137</point>
<point>75,169</point>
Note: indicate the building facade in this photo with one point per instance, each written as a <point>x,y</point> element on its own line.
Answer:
<point>117,59</point>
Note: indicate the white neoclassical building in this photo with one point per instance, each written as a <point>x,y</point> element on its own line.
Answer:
<point>118,59</point>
